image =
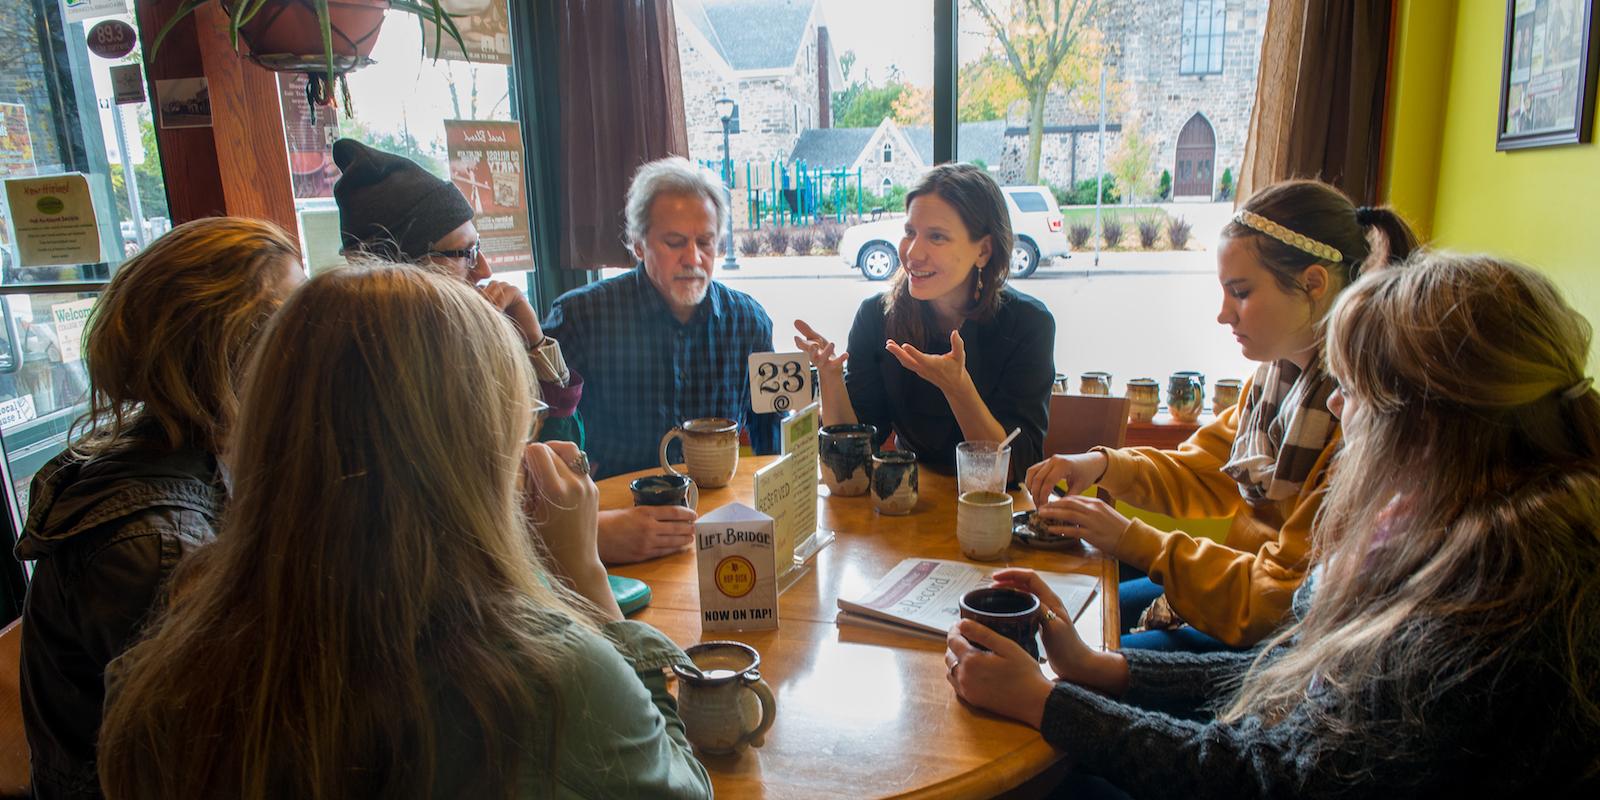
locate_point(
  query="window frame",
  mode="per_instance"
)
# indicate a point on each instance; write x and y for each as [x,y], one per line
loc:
[1190,52]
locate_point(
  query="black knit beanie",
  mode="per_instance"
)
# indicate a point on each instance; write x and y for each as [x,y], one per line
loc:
[389,206]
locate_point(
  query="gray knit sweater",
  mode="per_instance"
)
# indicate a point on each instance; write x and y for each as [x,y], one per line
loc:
[1503,734]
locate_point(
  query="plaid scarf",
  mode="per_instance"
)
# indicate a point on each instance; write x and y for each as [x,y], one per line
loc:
[1284,425]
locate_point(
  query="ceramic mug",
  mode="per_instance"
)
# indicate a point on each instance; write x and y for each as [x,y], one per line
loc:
[1095,384]
[1225,394]
[665,490]
[725,705]
[1186,393]
[983,525]
[1144,395]
[846,455]
[1008,612]
[710,450]
[894,481]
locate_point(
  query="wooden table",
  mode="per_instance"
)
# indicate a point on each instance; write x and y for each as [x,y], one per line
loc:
[863,713]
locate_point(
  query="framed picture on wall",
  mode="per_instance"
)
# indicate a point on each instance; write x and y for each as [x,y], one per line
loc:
[1547,81]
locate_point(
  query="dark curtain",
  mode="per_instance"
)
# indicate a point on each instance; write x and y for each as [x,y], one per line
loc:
[1320,96]
[601,94]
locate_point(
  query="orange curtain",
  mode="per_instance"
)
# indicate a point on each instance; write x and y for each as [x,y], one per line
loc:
[1319,96]
[620,105]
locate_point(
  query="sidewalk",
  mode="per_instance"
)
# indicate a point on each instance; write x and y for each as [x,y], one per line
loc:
[1121,262]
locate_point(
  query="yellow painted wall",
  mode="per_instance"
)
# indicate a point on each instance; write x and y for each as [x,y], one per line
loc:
[1541,207]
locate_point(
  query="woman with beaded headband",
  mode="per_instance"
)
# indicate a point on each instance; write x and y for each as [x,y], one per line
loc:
[1447,642]
[950,353]
[1282,260]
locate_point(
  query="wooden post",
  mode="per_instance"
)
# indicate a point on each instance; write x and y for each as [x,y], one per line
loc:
[240,165]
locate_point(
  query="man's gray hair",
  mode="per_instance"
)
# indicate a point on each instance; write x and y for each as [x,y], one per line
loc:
[670,176]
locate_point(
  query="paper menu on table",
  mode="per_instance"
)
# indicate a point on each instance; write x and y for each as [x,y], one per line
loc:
[925,593]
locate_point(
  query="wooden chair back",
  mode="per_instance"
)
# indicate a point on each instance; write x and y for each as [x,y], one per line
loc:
[15,780]
[1081,422]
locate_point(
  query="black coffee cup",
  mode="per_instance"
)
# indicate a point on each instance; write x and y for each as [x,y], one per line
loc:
[1008,612]
[846,454]
[665,490]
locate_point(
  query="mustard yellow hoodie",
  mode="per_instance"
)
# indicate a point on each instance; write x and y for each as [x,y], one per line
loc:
[1237,591]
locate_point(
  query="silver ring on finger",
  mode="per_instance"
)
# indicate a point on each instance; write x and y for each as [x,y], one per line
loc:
[580,465]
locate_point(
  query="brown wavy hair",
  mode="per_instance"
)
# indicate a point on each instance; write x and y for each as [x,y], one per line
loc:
[1366,237]
[167,341]
[982,208]
[1461,536]
[374,585]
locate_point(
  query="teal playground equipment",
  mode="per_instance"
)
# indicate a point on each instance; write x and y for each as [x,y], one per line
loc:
[780,193]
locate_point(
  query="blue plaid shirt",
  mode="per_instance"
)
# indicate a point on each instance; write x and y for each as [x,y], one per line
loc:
[643,371]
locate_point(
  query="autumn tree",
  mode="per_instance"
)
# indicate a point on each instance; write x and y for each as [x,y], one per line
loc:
[1038,38]
[1131,165]
[987,88]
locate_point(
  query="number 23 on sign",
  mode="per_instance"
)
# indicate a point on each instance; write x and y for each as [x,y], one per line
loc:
[779,381]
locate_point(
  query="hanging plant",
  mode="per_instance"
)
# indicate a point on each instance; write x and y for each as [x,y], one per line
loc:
[325,39]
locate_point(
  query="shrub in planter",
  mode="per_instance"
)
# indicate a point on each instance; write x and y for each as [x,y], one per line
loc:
[829,238]
[804,240]
[1079,234]
[1164,186]
[778,241]
[1178,230]
[1225,186]
[1111,231]
[749,242]
[1149,231]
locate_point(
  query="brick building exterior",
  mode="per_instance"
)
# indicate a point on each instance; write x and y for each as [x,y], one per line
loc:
[1182,74]
[772,57]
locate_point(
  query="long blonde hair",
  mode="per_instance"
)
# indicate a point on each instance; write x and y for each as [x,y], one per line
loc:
[1461,534]
[373,575]
[167,342]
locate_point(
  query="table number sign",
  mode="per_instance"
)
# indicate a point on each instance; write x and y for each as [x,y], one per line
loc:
[738,570]
[779,381]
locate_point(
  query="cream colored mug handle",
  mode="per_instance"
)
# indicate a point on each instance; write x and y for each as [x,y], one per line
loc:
[769,712]
[666,440]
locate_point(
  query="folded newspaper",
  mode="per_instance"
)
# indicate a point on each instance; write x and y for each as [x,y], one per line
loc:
[922,596]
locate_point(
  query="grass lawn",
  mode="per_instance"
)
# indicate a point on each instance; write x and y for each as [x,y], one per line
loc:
[1127,213]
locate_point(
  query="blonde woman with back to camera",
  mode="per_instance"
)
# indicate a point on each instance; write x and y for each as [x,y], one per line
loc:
[1282,262]
[111,516]
[407,600]
[1447,644]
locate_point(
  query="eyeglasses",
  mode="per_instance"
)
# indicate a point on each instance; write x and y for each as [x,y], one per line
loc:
[468,253]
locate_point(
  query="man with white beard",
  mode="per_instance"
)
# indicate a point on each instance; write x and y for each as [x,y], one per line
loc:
[661,344]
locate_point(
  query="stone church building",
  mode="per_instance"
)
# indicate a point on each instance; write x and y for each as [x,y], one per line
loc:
[1183,71]
[772,57]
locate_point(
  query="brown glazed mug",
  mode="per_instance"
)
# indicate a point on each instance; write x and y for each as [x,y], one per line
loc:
[725,705]
[710,450]
[1008,612]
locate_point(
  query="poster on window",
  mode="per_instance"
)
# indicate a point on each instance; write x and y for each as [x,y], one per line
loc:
[80,10]
[16,144]
[486,165]
[485,27]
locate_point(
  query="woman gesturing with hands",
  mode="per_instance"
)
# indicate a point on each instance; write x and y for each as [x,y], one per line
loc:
[949,353]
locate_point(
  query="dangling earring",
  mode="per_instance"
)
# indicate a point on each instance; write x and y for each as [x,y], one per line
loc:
[977,290]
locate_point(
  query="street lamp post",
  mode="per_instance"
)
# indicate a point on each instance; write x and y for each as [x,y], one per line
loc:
[726,110]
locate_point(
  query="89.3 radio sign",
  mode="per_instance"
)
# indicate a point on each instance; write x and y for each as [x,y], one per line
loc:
[779,381]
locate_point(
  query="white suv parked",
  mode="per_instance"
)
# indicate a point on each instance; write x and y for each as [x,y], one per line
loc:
[874,247]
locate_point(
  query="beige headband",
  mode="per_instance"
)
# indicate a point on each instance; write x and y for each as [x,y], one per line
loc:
[1323,252]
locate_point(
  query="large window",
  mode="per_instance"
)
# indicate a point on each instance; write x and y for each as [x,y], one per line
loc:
[1203,28]
[59,114]
[401,104]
